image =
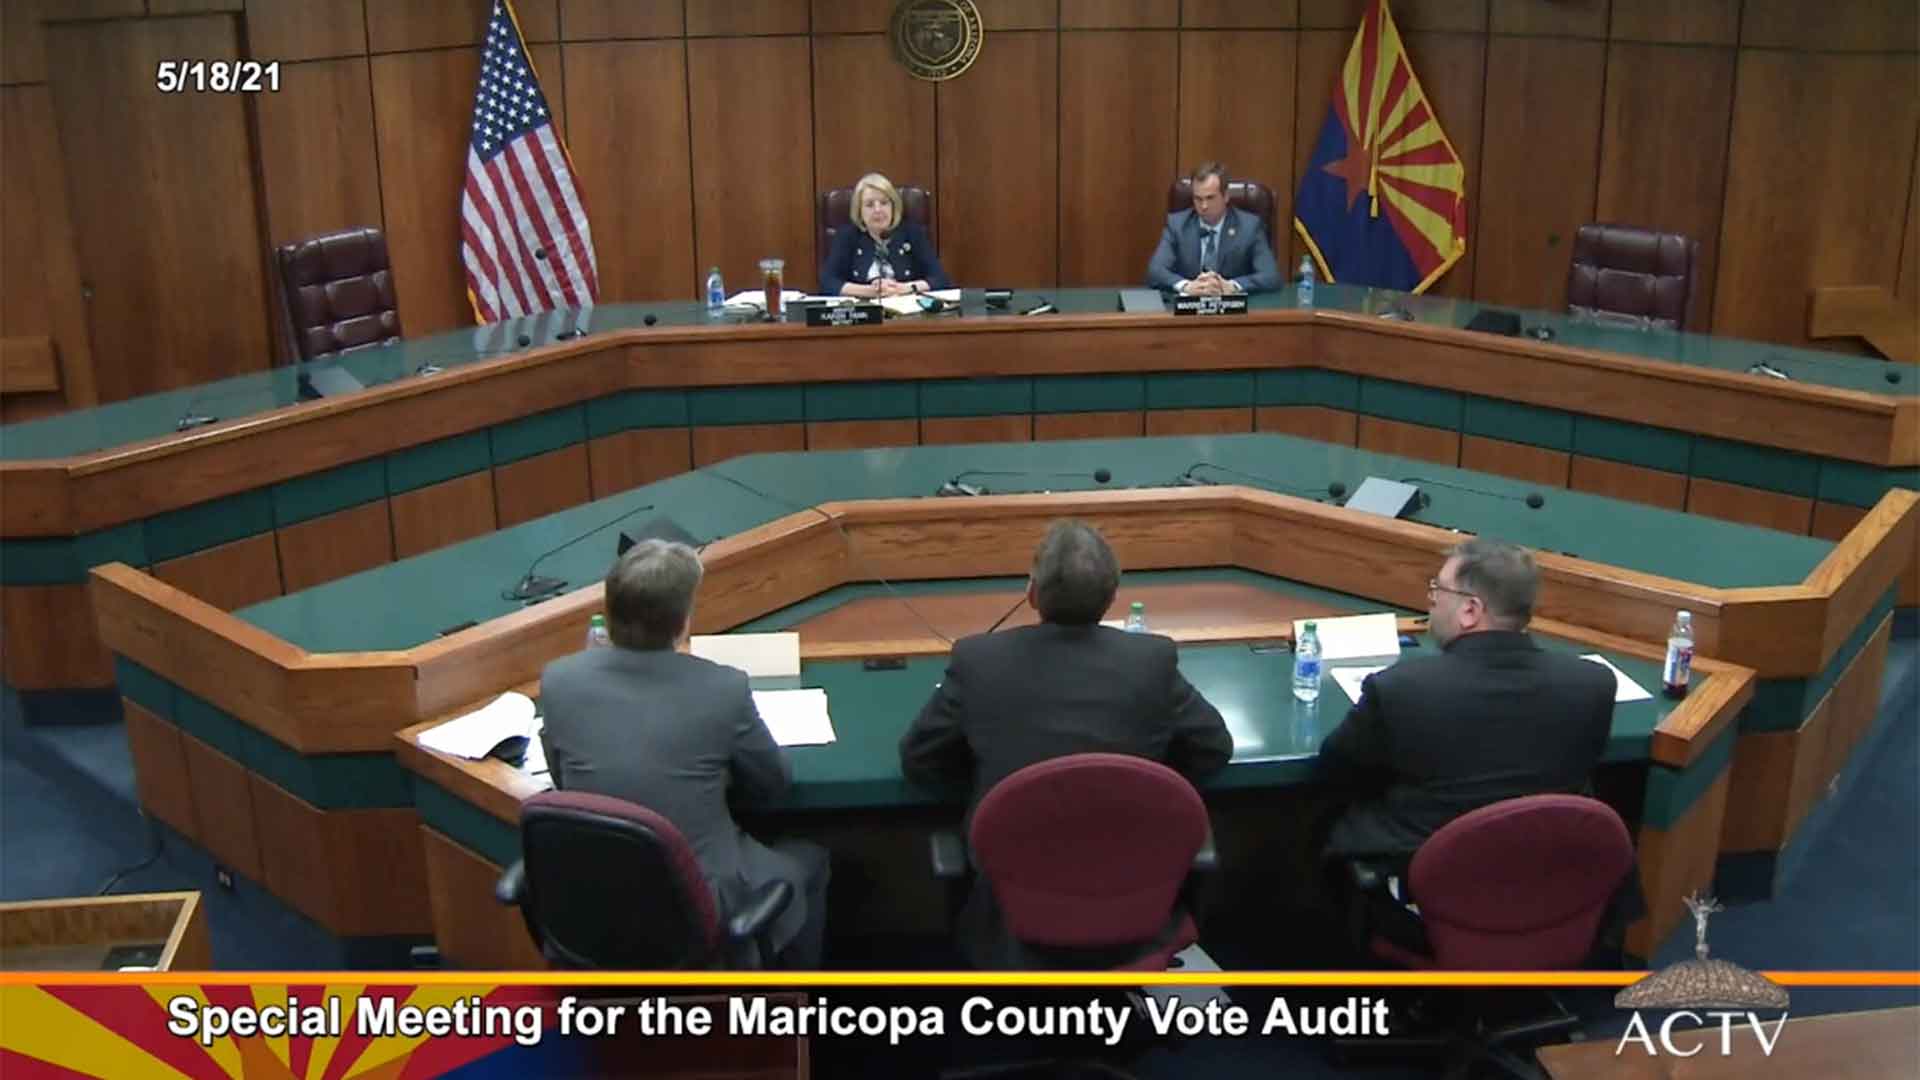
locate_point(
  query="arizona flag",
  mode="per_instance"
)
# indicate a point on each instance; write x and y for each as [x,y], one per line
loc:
[1384,198]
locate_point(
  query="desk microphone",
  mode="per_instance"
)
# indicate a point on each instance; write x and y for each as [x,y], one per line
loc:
[1333,490]
[1533,499]
[1008,614]
[531,587]
[959,486]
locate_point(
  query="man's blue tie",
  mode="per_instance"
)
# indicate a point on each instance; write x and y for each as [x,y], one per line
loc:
[1206,249]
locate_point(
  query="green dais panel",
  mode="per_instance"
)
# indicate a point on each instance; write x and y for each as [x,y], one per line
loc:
[1785,704]
[1411,404]
[1756,466]
[1201,390]
[1672,792]
[436,462]
[219,729]
[540,433]
[1632,444]
[1089,393]
[209,524]
[861,401]
[976,397]
[141,686]
[631,409]
[1307,386]
[1862,485]
[1514,422]
[466,824]
[324,493]
[65,561]
[722,406]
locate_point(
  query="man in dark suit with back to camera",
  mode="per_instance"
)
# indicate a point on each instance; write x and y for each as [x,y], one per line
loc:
[1064,686]
[646,722]
[1213,249]
[1493,716]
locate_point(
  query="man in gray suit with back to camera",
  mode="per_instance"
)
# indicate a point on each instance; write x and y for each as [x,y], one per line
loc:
[647,722]
[1213,249]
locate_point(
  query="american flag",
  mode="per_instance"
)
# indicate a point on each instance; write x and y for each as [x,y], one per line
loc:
[523,227]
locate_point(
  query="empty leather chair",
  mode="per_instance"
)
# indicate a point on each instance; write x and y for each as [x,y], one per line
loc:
[1252,196]
[1627,271]
[606,883]
[337,290]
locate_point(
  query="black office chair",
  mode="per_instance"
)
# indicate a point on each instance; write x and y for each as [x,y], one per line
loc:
[605,883]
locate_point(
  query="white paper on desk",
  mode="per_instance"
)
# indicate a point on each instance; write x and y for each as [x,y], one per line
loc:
[758,298]
[1354,637]
[1624,688]
[795,717]
[758,655]
[909,304]
[1350,679]
[479,731]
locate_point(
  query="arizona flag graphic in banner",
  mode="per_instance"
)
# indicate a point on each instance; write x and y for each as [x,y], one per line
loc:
[1384,199]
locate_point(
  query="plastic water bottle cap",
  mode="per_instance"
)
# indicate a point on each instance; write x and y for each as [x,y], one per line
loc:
[1138,606]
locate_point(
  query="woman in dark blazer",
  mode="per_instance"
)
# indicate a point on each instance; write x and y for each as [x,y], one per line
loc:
[883,254]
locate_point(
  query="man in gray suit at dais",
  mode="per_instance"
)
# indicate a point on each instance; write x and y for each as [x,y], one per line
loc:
[1213,249]
[647,722]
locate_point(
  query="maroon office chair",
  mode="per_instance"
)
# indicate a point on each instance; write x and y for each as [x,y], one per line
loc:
[337,292]
[1087,856]
[1523,884]
[1252,196]
[605,883]
[1631,272]
[836,213]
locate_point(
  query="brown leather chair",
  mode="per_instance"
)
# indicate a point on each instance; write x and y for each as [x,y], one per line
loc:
[836,213]
[337,292]
[1625,270]
[1252,196]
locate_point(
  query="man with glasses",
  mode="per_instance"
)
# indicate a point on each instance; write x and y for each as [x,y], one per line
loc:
[1491,716]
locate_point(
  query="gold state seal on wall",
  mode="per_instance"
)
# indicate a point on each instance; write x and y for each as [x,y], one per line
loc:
[936,39]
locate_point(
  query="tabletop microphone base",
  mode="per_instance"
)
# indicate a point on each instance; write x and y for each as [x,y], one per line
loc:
[533,587]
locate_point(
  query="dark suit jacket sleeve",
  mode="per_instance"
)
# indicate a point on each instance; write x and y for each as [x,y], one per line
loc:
[927,260]
[1201,743]
[838,268]
[934,751]
[1162,271]
[1266,270]
[760,769]
[1356,751]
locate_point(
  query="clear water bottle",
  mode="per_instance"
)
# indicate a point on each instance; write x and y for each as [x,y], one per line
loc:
[1137,618]
[1678,669]
[1306,664]
[716,291]
[1303,292]
[597,633]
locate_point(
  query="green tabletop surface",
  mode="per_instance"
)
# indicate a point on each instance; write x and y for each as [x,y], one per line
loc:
[407,603]
[1275,736]
[86,431]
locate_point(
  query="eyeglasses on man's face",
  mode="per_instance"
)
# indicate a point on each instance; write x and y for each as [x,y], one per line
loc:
[1434,586]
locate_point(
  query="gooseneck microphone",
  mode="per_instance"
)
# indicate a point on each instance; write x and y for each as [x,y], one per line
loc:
[959,485]
[1008,614]
[533,587]
[1533,499]
[1333,490]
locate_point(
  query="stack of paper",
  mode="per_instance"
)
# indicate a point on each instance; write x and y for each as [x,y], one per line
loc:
[758,298]
[795,717]
[910,304]
[759,655]
[1354,637]
[1624,688]
[475,734]
[1350,678]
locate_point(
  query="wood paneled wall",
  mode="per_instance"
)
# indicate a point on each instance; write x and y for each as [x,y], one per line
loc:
[1780,134]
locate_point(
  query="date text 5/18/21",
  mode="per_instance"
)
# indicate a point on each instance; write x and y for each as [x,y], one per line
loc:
[217,77]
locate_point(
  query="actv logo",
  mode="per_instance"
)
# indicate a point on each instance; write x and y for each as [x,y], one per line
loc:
[1663,1043]
[1712,986]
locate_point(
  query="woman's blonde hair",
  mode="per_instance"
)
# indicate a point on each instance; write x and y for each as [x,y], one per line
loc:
[882,185]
